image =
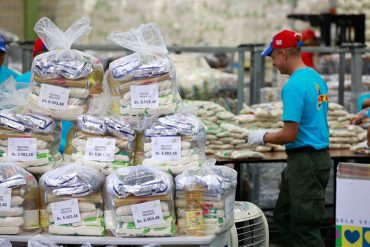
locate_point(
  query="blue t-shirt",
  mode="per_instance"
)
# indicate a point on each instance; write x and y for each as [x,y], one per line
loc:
[5,73]
[305,101]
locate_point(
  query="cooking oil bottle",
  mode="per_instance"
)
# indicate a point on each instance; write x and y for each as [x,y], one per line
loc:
[194,211]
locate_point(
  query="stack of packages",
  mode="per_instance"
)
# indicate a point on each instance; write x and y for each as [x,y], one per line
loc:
[101,141]
[19,207]
[205,199]
[63,78]
[72,201]
[29,140]
[142,84]
[174,142]
[139,202]
[342,134]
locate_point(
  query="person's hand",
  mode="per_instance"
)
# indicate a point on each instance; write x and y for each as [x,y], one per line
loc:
[256,137]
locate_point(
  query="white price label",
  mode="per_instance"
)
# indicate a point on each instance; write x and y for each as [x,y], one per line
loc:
[66,212]
[147,214]
[229,205]
[166,148]
[145,96]
[53,97]
[100,149]
[5,199]
[22,149]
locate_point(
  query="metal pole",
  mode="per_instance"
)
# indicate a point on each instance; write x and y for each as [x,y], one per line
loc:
[240,86]
[257,74]
[252,78]
[356,75]
[341,77]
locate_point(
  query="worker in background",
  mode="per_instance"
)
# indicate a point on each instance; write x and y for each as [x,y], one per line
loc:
[309,39]
[301,203]
[5,72]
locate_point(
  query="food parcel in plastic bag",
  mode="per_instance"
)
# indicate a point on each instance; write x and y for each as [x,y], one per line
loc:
[72,201]
[100,141]
[30,140]
[139,202]
[20,203]
[143,84]
[63,78]
[205,198]
[174,143]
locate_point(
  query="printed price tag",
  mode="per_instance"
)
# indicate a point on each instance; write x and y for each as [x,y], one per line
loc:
[100,149]
[53,97]
[166,148]
[5,199]
[22,149]
[66,212]
[144,96]
[147,214]
[229,205]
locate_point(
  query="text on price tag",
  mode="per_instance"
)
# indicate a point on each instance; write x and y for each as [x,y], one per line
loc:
[22,149]
[147,214]
[166,148]
[53,97]
[66,212]
[145,96]
[5,199]
[100,149]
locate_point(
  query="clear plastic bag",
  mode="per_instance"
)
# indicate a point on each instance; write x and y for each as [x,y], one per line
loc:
[5,243]
[29,140]
[101,141]
[142,84]
[174,142]
[63,78]
[205,198]
[78,191]
[41,241]
[20,205]
[139,202]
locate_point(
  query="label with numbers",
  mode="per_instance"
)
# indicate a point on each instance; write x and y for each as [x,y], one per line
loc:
[22,149]
[5,199]
[100,149]
[147,214]
[53,97]
[145,96]
[166,148]
[66,212]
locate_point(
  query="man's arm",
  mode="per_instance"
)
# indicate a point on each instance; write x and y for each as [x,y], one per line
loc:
[284,136]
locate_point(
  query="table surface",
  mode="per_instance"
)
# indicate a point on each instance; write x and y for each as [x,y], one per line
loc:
[281,156]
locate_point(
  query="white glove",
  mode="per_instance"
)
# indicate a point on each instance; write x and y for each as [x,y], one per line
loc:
[256,137]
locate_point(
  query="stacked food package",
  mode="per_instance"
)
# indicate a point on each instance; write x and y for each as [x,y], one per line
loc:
[205,198]
[139,202]
[63,78]
[174,143]
[265,116]
[102,143]
[142,84]
[72,201]
[19,200]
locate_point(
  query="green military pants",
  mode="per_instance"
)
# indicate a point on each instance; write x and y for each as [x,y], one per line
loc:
[300,207]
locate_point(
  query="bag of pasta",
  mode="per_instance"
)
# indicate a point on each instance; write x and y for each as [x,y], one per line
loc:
[63,78]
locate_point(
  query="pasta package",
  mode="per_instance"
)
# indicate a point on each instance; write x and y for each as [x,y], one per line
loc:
[139,203]
[174,142]
[72,201]
[63,78]
[205,198]
[102,143]
[20,203]
[144,83]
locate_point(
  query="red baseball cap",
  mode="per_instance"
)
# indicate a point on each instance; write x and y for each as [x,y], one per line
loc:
[284,39]
[308,34]
[38,46]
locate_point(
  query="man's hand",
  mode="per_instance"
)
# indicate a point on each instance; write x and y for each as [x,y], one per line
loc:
[256,137]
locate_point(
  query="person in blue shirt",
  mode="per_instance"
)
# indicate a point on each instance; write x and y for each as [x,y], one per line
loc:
[5,72]
[300,207]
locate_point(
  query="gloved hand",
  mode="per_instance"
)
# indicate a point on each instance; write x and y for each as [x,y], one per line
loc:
[256,137]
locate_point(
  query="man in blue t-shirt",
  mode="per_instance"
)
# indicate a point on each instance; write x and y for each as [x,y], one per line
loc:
[5,72]
[301,203]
